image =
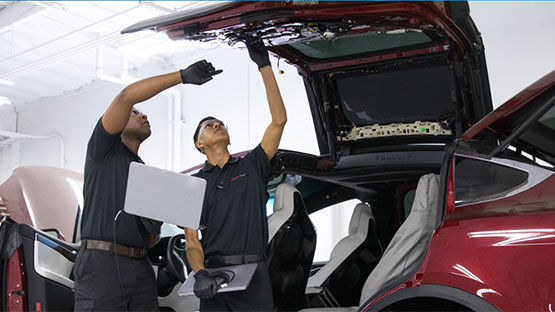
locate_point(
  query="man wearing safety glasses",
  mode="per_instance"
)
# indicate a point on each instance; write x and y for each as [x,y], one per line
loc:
[234,224]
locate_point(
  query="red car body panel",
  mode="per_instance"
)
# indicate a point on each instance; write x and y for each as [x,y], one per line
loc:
[513,105]
[412,14]
[485,257]
[15,283]
[484,248]
[436,11]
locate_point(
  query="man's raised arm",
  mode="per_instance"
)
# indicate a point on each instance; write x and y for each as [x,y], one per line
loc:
[272,136]
[117,115]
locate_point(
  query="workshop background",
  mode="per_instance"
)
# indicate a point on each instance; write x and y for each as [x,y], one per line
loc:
[62,63]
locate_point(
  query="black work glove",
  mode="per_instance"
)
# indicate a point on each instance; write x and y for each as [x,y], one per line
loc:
[205,285]
[198,73]
[258,52]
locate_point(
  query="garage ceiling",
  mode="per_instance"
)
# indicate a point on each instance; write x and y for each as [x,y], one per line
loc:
[50,48]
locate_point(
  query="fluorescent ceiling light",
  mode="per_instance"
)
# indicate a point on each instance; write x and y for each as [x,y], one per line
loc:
[5,101]
[6,82]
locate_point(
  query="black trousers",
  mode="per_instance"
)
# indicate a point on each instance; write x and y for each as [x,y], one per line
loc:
[257,297]
[98,288]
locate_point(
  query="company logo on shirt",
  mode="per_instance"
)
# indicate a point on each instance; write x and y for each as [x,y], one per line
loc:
[237,177]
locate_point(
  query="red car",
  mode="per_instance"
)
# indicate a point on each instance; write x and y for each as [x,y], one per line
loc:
[456,202]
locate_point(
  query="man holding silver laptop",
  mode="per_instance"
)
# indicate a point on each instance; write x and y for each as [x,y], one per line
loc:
[112,272]
[234,224]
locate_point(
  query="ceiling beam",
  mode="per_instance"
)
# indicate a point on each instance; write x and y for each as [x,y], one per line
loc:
[17,12]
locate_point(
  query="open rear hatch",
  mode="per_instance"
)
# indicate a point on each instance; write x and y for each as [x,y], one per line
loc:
[379,76]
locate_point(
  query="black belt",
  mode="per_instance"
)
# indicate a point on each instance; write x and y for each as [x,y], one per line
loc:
[133,252]
[213,261]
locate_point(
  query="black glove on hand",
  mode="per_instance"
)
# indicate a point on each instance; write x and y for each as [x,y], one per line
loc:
[205,285]
[258,52]
[198,73]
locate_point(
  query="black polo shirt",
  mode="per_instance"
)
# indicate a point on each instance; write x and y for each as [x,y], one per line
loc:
[106,171]
[234,220]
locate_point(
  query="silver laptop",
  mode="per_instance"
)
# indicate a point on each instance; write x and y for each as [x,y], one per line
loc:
[240,277]
[164,195]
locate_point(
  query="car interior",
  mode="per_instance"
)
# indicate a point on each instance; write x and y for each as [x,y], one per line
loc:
[339,282]
[389,213]
[290,250]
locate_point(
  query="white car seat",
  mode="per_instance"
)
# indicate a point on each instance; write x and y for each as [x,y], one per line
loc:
[408,246]
[283,208]
[358,230]
[351,260]
[290,250]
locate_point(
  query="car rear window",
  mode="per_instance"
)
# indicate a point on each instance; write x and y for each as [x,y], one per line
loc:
[540,135]
[548,119]
[408,201]
[360,44]
[477,180]
[417,94]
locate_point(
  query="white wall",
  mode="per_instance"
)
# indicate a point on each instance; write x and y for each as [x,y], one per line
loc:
[8,155]
[73,118]
[8,118]
[237,96]
[520,43]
